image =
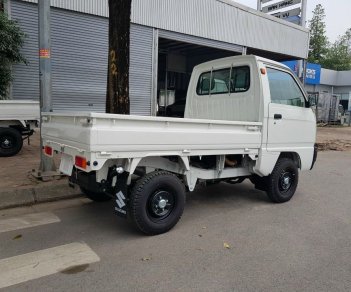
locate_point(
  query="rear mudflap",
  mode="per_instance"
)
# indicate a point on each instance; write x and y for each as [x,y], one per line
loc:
[116,186]
[121,197]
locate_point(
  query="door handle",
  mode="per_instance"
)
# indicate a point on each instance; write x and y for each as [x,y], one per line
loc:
[278,116]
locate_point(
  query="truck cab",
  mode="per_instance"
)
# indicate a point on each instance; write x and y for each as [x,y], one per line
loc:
[256,90]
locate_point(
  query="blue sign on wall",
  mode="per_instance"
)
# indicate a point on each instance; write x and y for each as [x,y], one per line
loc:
[293,65]
[313,71]
[313,74]
[294,19]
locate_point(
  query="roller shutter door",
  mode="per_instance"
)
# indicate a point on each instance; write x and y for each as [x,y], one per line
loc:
[79,61]
[26,81]
[141,71]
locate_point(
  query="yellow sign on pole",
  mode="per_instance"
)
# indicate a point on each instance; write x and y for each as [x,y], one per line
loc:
[44,53]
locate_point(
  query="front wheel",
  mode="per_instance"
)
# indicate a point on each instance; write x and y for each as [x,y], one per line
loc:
[282,182]
[157,202]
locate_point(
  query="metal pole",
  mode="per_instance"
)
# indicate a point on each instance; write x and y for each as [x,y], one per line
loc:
[304,66]
[46,163]
[259,5]
[304,13]
[303,63]
[45,55]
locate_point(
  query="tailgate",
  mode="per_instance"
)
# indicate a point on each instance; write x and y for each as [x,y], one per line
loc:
[70,135]
[67,130]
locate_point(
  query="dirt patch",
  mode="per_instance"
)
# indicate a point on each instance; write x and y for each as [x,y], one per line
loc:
[334,138]
[336,145]
[15,172]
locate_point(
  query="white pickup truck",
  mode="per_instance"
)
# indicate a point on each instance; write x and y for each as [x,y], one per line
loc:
[18,118]
[245,117]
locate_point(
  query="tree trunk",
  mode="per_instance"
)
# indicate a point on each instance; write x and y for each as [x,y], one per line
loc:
[117,97]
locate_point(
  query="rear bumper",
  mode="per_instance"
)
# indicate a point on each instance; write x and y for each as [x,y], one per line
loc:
[315,154]
[85,180]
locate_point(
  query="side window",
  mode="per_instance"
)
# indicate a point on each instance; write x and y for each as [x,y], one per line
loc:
[217,82]
[284,89]
[204,83]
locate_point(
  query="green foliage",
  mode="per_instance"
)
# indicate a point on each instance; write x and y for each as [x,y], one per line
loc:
[12,39]
[338,56]
[318,40]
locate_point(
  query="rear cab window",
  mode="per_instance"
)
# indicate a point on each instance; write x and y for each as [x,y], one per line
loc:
[223,81]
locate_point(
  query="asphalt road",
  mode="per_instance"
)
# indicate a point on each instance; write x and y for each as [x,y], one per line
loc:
[303,245]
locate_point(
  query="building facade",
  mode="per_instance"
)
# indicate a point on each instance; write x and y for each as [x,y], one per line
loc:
[168,38]
[320,80]
[334,82]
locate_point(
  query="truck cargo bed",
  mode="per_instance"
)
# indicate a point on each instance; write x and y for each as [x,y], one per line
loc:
[19,110]
[123,136]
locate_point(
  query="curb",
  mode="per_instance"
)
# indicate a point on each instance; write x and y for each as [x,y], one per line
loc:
[11,198]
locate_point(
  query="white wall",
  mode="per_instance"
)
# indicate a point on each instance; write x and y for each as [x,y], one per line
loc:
[329,77]
[344,78]
[336,78]
[337,82]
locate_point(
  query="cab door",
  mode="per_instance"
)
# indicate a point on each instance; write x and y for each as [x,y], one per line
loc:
[291,125]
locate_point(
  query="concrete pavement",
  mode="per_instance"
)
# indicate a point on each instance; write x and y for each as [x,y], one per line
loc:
[18,187]
[303,245]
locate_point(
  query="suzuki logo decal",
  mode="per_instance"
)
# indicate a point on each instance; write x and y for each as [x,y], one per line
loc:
[120,199]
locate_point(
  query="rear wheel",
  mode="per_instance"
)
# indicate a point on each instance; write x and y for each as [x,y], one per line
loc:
[282,182]
[95,196]
[10,142]
[157,202]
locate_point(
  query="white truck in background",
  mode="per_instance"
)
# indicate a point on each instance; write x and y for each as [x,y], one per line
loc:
[18,118]
[245,117]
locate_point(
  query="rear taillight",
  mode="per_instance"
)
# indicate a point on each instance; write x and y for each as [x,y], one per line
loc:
[48,151]
[81,162]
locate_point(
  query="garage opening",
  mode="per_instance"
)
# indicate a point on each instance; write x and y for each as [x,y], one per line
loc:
[176,61]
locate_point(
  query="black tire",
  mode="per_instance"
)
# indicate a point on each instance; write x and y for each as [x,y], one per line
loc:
[95,196]
[152,192]
[10,142]
[282,182]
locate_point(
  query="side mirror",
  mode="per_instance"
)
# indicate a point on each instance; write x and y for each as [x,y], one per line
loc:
[307,104]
